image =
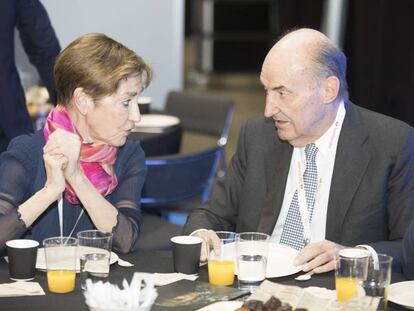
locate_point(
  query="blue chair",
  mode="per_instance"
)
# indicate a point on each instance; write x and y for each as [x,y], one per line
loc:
[174,178]
[178,183]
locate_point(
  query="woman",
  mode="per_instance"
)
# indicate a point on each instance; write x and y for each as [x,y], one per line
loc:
[81,163]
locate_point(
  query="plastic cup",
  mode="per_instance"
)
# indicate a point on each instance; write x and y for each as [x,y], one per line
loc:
[61,257]
[221,265]
[378,279]
[95,255]
[351,266]
[252,254]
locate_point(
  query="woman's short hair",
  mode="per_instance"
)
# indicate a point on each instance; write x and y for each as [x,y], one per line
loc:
[97,64]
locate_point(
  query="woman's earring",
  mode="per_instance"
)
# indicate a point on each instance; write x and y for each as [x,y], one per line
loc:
[87,140]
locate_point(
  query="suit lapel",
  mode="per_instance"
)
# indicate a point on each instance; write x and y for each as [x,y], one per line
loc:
[351,162]
[277,163]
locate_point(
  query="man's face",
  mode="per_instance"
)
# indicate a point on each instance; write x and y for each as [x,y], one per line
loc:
[293,99]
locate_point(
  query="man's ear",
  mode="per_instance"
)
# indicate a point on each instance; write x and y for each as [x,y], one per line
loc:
[81,101]
[331,89]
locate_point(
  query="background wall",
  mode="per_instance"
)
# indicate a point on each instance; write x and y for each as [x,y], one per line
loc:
[153,29]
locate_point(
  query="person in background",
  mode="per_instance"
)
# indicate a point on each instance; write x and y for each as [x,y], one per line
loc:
[81,161]
[408,252]
[317,173]
[41,45]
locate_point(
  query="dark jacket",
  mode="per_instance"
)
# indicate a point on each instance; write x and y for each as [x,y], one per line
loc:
[42,47]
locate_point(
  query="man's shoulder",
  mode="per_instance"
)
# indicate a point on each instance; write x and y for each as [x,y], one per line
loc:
[378,118]
[381,125]
[259,124]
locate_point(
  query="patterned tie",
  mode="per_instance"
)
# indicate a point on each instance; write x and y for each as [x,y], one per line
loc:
[292,233]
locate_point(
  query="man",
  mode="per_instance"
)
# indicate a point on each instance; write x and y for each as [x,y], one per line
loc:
[42,47]
[332,175]
[408,252]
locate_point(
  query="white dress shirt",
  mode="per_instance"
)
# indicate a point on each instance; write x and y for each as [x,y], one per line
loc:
[325,160]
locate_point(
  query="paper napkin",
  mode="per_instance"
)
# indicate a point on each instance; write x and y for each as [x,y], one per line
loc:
[16,289]
[161,279]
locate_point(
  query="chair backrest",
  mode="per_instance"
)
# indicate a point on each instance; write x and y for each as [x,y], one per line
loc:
[205,114]
[178,177]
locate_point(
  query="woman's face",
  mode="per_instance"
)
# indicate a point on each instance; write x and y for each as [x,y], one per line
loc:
[113,117]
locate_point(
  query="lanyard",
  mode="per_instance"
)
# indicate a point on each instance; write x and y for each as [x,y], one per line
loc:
[299,159]
[60,212]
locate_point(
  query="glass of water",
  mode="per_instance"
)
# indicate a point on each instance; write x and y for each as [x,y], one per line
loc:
[95,255]
[378,279]
[252,254]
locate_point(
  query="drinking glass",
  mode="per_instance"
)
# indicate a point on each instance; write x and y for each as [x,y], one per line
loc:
[95,255]
[351,267]
[61,257]
[378,279]
[221,264]
[252,254]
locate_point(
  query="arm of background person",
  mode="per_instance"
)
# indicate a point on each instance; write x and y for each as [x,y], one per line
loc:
[408,252]
[221,210]
[39,40]
[400,202]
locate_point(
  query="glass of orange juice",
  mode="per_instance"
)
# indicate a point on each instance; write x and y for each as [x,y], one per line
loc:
[351,267]
[221,263]
[61,258]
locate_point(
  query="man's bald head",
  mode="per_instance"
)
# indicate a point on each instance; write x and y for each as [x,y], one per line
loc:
[310,50]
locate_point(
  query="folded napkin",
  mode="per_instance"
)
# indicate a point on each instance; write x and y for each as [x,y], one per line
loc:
[161,279]
[21,289]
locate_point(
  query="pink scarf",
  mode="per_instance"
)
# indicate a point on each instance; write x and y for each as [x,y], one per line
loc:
[96,161]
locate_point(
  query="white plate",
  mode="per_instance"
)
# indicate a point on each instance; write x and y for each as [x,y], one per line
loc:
[402,293]
[157,120]
[41,263]
[279,262]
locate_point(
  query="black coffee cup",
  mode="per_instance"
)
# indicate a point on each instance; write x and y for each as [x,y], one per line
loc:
[186,253]
[22,259]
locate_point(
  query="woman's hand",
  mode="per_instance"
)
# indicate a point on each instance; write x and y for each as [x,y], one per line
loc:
[55,180]
[63,143]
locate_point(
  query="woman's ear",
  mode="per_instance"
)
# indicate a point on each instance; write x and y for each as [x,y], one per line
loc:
[331,89]
[81,101]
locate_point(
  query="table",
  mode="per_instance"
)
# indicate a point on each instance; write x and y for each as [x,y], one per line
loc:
[158,134]
[151,261]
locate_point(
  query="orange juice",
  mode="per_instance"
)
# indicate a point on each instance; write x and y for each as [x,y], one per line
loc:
[61,281]
[221,272]
[346,288]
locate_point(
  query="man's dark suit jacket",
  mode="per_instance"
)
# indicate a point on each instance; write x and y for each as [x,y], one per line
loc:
[42,47]
[408,252]
[371,195]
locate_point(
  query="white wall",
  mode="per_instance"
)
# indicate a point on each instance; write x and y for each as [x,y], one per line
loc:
[154,29]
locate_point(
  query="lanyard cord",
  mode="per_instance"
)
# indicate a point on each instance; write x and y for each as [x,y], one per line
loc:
[60,211]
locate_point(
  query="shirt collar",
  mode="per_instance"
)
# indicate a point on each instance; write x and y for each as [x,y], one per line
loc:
[323,142]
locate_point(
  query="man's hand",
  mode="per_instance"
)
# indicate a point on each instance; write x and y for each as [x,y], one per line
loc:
[319,256]
[210,241]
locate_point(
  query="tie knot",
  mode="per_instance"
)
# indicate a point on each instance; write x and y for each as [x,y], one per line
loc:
[310,151]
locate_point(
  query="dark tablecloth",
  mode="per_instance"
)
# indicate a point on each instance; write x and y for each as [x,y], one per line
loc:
[154,261]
